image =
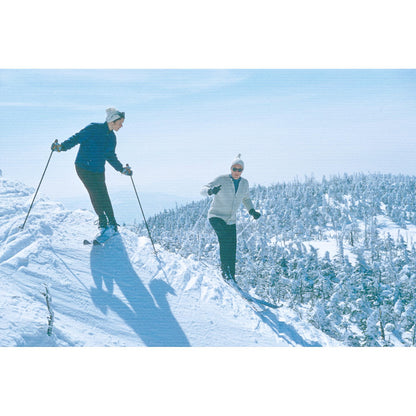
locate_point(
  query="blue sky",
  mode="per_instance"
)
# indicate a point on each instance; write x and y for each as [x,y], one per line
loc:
[184,127]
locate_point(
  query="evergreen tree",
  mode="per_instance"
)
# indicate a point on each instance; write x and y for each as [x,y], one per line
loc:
[364,298]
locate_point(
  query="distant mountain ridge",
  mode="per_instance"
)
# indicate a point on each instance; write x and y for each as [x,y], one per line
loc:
[126,207]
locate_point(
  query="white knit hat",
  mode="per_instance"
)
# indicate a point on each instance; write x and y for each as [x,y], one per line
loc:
[238,161]
[113,115]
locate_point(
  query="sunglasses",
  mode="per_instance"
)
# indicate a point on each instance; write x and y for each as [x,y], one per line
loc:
[237,170]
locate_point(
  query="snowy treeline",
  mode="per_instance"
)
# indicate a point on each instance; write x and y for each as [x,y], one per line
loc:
[362,294]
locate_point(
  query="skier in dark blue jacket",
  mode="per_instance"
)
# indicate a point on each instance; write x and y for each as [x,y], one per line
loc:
[97,145]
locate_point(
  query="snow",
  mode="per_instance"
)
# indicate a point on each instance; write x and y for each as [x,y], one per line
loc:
[387,227]
[119,295]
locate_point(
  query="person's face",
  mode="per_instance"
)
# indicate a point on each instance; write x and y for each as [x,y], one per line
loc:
[236,171]
[118,124]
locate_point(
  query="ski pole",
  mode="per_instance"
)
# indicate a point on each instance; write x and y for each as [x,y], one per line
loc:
[41,179]
[141,208]
[195,225]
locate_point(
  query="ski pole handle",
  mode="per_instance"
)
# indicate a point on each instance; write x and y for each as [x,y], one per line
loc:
[55,146]
[127,170]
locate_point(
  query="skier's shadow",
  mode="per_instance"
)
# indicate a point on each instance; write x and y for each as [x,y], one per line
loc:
[283,330]
[149,316]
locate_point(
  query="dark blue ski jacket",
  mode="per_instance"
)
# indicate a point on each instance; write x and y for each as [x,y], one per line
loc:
[97,145]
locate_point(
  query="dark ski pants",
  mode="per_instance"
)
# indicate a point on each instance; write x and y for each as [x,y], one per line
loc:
[227,237]
[100,200]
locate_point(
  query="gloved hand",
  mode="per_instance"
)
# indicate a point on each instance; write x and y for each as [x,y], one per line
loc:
[56,147]
[214,190]
[127,171]
[256,215]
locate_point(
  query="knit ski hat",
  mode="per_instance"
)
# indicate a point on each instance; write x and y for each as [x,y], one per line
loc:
[238,161]
[113,115]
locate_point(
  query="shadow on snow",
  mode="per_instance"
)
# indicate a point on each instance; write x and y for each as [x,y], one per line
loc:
[147,312]
[283,330]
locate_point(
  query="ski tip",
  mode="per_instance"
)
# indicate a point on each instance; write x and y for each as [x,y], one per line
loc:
[92,242]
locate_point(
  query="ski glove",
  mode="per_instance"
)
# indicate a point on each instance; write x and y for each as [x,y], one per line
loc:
[56,147]
[256,215]
[214,190]
[127,171]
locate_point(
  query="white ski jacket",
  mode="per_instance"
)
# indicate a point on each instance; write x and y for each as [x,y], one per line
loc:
[227,201]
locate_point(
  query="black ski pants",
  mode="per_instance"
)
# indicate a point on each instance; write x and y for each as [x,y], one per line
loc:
[100,200]
[227,238]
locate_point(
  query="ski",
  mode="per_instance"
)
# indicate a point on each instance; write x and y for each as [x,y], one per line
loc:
[249,298]
[100,240]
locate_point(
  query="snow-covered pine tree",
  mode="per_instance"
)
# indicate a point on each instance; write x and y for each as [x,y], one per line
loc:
[368,288]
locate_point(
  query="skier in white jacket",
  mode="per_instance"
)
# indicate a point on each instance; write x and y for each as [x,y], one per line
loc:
[229,192]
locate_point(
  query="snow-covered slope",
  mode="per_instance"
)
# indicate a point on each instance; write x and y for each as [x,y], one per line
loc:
[118,295]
